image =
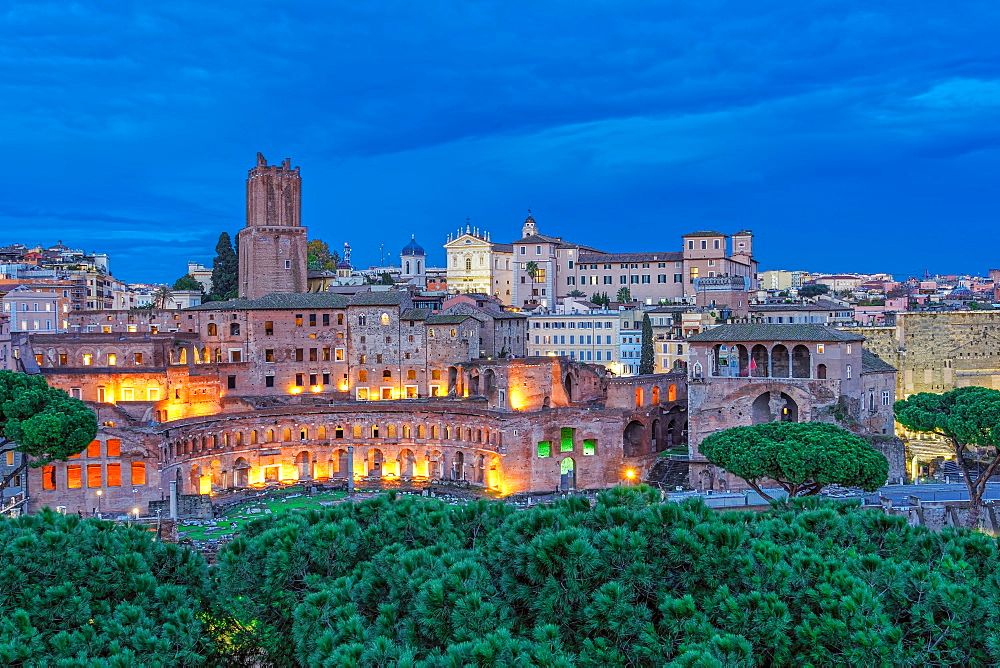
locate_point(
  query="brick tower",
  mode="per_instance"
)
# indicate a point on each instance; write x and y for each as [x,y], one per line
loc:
[273,244]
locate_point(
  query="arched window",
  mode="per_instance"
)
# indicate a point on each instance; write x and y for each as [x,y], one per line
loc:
[385,319]
[656,394]
[361,320]
[468,264]
[821,371]
[638,397]
[672,393]
[286,435]
[213,329]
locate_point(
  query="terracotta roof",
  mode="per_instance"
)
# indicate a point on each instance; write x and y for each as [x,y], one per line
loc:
[379,298]
[415,314]
[766,332]
[872,363]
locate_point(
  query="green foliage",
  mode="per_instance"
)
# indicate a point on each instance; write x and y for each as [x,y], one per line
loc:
[41,421]
[225,269]
[968,417]
[187,282]
[531,269]
[814,290]
[85,592]
[802,457]
[601,299]
[647,362]
[628,580]
[410,581]
[624,296]
[320,256]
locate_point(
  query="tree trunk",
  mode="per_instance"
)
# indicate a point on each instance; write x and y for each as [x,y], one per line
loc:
[975,493]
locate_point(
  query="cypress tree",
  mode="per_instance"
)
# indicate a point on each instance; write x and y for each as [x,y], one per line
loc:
[225,269]
[646,362]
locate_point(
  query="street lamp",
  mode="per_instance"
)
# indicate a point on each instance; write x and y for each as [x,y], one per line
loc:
[135,512]
[630,476]
[99,495]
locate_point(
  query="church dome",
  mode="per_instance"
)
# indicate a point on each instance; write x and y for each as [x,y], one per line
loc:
[413,248]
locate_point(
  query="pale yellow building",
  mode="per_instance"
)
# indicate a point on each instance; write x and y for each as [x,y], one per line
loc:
[477,265]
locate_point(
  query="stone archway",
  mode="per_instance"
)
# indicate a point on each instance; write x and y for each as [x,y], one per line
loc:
[303,464]
[241,469]
[567,474]
[634,440]
[407,463]
[568,385]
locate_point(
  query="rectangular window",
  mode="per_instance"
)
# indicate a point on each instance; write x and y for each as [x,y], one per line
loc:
[589,446]
[94,475]
[269,355]
[112,359]
[326,354]
[74,472]
[362,395]
[362,375]
[138,473]
[268,328]
[848,371]
[339,354]
[114,447]
[231,382]
[153,393]
[645,278]
[566,439]
[545,448]
[435,390]
[678,278]
[48,477]
[299,354]
[313,354]
[312,379]
[94,449]
[326,378]
[411,391]
[298,319]
[235,356]
[114,475]
[820,349]
[10,458]
[312,319]
[268,381]
[885,397]
[137,359]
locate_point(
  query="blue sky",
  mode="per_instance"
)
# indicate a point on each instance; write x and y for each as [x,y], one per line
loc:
[847,136]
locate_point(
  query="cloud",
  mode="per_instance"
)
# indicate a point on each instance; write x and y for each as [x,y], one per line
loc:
[141,119]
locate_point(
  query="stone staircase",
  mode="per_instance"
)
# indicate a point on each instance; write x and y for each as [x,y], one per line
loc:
[668,473]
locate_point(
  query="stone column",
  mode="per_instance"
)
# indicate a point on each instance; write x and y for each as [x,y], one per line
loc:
[173,499]
[350,468]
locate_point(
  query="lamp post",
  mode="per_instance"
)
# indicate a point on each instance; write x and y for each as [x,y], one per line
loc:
[135,513]
[630,476]
[99,495]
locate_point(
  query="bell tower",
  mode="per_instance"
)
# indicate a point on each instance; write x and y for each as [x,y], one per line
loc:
[273,244]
